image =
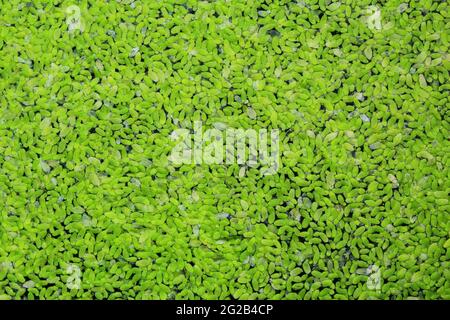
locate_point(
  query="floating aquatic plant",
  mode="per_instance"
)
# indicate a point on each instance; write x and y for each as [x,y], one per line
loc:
[91,207]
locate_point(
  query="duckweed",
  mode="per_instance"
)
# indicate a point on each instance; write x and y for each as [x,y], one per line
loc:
[92,208]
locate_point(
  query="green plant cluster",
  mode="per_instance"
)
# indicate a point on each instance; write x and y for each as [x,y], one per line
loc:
[91,208]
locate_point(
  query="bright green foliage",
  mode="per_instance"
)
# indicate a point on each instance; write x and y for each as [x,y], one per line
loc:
[90,206]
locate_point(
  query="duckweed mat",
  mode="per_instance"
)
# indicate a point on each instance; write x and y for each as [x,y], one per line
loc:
[91,207]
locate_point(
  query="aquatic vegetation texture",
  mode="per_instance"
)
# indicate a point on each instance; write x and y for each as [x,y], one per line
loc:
[92,208]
